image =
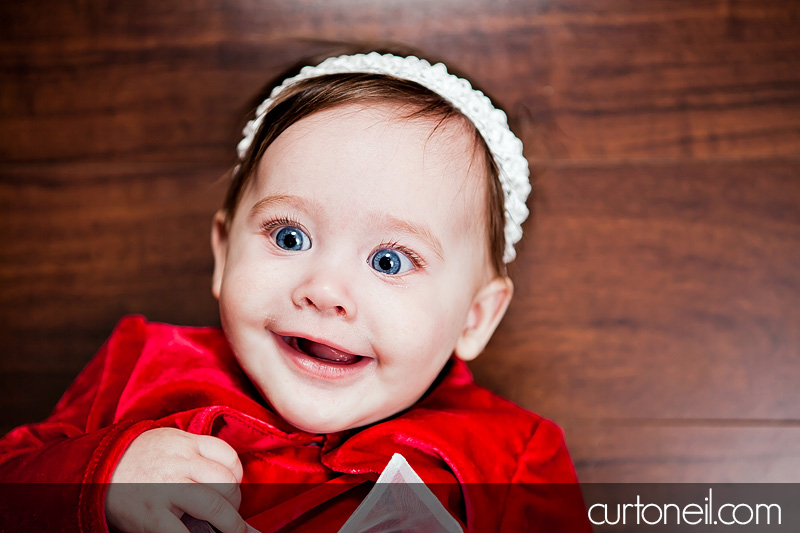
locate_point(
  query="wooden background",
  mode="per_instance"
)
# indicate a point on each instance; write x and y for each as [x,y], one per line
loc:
[657,317]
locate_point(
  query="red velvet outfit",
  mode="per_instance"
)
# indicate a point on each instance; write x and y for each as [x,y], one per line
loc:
[492,464]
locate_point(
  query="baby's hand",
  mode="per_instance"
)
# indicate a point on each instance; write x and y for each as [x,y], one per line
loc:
[144,494]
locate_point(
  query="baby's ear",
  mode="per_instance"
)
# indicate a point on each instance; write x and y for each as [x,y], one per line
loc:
[219,245]
[485,313]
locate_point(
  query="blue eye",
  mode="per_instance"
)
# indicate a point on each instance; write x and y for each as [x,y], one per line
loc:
[291,238]
[388,261]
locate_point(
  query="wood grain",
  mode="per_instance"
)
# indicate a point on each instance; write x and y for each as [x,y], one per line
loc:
[607,80]
[677,285]
[640,451]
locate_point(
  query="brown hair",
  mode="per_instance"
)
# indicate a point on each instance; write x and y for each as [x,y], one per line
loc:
[313,95]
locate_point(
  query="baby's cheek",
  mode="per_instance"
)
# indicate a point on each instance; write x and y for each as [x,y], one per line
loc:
[428,337]
[250,285]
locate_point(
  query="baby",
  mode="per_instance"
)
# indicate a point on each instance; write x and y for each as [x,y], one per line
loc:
[359,261]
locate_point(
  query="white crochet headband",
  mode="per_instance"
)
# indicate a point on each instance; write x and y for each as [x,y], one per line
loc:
[491,122]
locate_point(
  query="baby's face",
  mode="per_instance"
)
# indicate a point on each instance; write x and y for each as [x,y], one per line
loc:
[349,272]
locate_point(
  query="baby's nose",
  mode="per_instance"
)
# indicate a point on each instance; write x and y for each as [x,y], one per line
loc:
[328,294]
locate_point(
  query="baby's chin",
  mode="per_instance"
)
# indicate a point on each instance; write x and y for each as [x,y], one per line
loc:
[323,419]
[322,426]
[317,419]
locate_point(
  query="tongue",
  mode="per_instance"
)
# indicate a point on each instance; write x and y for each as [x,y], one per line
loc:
[321,351]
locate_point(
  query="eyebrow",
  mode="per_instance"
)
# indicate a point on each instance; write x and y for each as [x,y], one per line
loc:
[396,224]
[419,230]
[295,202]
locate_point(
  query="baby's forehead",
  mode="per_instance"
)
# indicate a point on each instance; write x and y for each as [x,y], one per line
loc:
[431,160]
[448,145]
[435,129]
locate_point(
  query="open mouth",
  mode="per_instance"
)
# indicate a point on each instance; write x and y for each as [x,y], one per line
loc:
[321,351]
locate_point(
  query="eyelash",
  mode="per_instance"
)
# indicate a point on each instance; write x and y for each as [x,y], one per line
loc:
[411,254]
[269,226]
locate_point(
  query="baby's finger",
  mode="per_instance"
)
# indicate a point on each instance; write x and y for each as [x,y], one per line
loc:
[164,522]
[201,526]
[142,507]
[220,451]
[207,504]
[218,477]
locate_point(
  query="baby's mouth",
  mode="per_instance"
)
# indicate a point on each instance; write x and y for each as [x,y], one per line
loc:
[321,351]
